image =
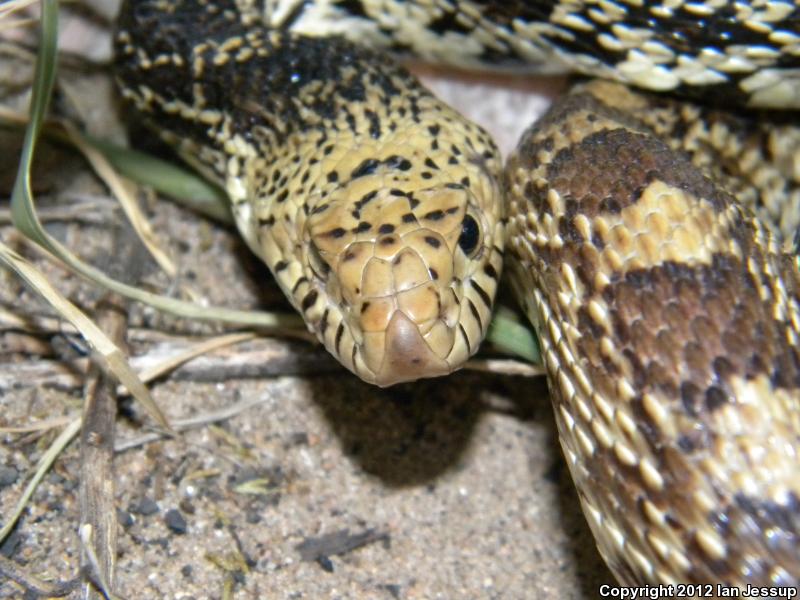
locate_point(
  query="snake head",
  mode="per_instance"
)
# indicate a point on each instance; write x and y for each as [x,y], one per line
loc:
[409,276]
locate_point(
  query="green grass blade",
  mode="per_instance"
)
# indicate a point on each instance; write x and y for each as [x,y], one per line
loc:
[512,336]
[188,189]
[22,212]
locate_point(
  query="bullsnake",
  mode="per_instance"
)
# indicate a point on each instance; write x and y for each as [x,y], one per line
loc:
[668,313]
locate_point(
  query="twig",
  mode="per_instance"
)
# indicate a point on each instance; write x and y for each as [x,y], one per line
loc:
[97,513]
[505,366]
[194,422]
[59,589]
[86,209]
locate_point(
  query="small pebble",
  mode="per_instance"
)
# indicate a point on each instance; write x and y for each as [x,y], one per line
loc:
[299,439]
[175,521]
[326,563]
[145,507]
[124,518]
[8,476]
[11,544]
[392,588]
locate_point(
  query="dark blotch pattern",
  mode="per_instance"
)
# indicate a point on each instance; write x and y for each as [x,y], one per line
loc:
[608,170]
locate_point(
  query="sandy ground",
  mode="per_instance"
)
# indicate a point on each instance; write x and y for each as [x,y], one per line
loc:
[323,487]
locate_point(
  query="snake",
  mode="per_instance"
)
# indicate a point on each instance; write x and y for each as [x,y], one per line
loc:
[648,231]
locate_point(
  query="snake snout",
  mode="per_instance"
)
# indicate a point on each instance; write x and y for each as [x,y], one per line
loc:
[406,314]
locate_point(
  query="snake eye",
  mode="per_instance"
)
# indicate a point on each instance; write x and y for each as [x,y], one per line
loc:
[470,235]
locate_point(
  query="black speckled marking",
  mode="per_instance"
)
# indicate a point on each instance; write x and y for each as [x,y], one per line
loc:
[261,91]
[432,241]
[309,300]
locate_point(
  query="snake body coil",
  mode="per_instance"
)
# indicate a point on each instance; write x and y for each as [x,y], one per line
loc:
[668,319]
[669,315]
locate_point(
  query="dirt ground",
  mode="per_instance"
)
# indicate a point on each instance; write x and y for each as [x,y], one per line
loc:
[317,485]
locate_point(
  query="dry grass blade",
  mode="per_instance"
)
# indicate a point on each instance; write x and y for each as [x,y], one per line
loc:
[194,351]
[7,24]
[12,118]
[12,6]
[45,462]
[12,49]
[39,426]
[104,348]
[7,9]
[30,323]
[126,197]
[86,535]
[91,210]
